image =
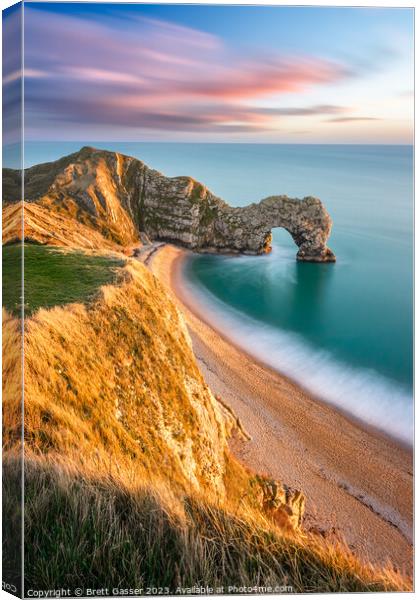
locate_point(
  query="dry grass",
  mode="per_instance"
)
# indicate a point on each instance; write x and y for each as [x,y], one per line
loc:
[12,380]
[116,384]
[47,227]
[12,436]
[95,530]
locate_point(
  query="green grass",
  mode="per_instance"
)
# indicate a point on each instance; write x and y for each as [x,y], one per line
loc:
[52,277]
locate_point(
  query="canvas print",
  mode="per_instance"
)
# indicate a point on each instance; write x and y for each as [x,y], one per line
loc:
[207,299]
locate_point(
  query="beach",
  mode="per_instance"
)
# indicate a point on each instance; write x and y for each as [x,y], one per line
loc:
[357,481]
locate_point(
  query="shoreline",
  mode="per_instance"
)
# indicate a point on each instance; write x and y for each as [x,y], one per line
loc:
[318,447]
[187,300]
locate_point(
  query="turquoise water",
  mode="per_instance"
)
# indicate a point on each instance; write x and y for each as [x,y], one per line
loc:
[342,330]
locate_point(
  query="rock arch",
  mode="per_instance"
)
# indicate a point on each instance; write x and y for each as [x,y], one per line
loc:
[307,221]
[184,211]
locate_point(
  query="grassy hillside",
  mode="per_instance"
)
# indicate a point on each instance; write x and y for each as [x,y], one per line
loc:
[53,276]
[113,383]
[45,226]
[129,481]
[87,188]
[99,531]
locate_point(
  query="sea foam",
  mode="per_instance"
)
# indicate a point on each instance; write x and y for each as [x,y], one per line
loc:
[363,393]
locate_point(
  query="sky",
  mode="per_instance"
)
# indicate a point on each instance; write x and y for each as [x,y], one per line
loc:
[217,73]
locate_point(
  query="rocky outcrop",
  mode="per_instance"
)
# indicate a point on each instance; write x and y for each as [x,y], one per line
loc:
[184,211]
[121,197]
[285,507]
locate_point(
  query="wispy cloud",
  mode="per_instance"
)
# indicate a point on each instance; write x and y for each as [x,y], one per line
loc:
[318,109]
[351,119]
[12,73]
[152,74]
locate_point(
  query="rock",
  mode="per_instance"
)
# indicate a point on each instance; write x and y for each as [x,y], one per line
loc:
[284,506]
[127,201]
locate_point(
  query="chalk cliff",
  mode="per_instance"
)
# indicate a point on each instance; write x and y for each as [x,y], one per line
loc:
[120,197]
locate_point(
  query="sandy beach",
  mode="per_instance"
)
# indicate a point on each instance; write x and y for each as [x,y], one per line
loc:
[357,482]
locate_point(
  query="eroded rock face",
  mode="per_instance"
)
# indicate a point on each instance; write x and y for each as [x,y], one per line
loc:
[122,198]
[183,210]
[285,507]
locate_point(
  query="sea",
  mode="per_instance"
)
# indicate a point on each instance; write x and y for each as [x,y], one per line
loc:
[343,331]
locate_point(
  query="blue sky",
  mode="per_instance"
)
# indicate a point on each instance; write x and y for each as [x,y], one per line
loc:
[218,73]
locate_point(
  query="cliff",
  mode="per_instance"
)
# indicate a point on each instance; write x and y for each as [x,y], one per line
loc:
[114,381]
[112,386]
[128,476]
[121,197]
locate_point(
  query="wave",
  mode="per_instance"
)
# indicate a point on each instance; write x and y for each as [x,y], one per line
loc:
[363,393]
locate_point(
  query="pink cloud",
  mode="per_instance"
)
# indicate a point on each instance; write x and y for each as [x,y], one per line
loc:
[154,74]
[100,75]
[259,79]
